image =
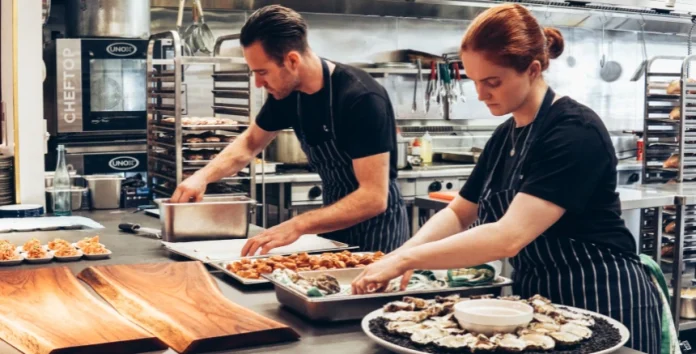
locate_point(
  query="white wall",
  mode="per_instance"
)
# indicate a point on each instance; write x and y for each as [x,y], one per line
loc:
[22,82]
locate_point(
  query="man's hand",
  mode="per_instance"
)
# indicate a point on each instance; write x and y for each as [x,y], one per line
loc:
[277,236]
[190,190]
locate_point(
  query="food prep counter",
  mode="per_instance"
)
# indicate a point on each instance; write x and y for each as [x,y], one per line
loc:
[342,337]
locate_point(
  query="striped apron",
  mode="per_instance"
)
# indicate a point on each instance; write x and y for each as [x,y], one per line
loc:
[384,232]
[574,272]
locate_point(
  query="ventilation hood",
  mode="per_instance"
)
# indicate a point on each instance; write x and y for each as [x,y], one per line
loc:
[621,15]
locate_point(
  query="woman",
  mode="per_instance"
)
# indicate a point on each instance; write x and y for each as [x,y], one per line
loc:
[543,192]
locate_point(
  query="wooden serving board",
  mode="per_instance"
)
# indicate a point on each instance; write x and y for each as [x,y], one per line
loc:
[47,310]
[182,305]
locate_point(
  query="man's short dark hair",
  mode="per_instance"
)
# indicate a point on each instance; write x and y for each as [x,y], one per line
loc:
[278,29]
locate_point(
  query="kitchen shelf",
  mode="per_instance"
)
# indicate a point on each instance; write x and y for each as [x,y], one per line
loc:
[165,82]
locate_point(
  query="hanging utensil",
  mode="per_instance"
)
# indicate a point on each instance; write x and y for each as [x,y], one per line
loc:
[570,60]
[185,48]
[187,36]
[643,64]
[204,36]
[430,89]
[610,70]
[414,106]
[458,77]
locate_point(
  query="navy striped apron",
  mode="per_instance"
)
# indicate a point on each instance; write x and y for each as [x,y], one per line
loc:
[384,232]
[573,272]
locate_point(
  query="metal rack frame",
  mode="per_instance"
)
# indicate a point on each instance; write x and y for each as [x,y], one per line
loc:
[664,137]
[165,92]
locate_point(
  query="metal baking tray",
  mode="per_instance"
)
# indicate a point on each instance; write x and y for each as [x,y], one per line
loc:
[230,250]
[223,267]
[354,307]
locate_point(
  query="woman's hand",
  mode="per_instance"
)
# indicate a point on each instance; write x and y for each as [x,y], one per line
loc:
[377,276]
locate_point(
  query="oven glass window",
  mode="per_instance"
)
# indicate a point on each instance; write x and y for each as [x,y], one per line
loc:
[117,85]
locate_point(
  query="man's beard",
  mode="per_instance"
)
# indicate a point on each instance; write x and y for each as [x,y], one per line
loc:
[290,85]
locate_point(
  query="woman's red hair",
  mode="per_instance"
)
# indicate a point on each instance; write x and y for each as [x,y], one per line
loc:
[510,36]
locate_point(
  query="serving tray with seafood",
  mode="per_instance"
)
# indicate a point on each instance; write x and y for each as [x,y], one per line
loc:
[415,326]
[325,295]
[249,271]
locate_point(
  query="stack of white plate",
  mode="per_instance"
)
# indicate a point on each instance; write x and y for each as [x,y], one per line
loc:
[7,193]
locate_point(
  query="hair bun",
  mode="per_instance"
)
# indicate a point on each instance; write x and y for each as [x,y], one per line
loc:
[554,42]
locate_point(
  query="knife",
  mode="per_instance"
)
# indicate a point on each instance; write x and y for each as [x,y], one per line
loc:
[139,230]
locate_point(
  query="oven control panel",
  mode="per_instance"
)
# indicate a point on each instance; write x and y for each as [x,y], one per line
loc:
[428,185]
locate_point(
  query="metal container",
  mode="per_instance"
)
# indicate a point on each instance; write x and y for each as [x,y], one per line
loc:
[104,191]
[75,179]
[213,218]
[688,307]
[353,307]
[77,197]
[108,18]
[401,155]
[286,148]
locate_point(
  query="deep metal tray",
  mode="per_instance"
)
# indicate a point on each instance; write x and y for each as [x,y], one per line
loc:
[355,307]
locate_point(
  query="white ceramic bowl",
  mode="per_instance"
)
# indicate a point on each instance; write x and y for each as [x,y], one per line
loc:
[491,316]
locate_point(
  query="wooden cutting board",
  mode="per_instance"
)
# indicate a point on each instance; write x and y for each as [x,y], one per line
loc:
[182,305]
[47,310]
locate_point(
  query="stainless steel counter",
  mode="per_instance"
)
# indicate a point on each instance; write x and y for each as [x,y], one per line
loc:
[309,177]
[131,249]
[638,197]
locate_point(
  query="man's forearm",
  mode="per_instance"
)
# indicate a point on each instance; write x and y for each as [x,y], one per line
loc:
[443,224]
[348,211]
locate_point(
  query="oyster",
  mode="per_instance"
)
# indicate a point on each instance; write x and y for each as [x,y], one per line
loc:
[396,306]
[545,309]
[456,341]
[402,327]
[435,310]
[578,330]
[510,298]
[428,335]
[544,327]
[417,303]
[574,316]
[537,341]
[540,299]
[326,282]
[479,297]
[565,338]
[482,344]
[444,322]
[541,318]
[585,323]
[451,298]
[402,316]
[510,343]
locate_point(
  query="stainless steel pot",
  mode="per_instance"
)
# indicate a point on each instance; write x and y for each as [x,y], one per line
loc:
[286,148]
[108,18]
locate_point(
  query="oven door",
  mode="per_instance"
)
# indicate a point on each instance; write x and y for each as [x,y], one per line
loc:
[100,86]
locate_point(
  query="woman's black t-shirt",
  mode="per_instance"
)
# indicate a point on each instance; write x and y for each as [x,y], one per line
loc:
[572,164]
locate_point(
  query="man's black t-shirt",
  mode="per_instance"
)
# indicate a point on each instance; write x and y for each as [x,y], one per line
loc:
[364,122]
[572,164]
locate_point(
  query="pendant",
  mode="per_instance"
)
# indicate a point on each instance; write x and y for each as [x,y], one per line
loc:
[512,152]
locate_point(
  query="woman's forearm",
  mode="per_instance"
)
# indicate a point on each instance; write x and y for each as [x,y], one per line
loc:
[475,246]
[443,224]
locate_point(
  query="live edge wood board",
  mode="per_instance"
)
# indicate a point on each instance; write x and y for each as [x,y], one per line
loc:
[47,310]
[182,305]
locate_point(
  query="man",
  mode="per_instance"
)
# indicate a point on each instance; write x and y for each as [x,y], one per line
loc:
[345,123]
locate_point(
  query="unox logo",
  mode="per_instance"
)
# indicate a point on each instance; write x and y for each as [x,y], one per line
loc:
[124,163]
[121,49]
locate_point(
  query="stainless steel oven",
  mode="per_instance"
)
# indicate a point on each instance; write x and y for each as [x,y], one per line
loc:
[99,86]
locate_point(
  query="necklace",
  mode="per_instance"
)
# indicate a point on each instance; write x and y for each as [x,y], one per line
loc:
[514,141]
